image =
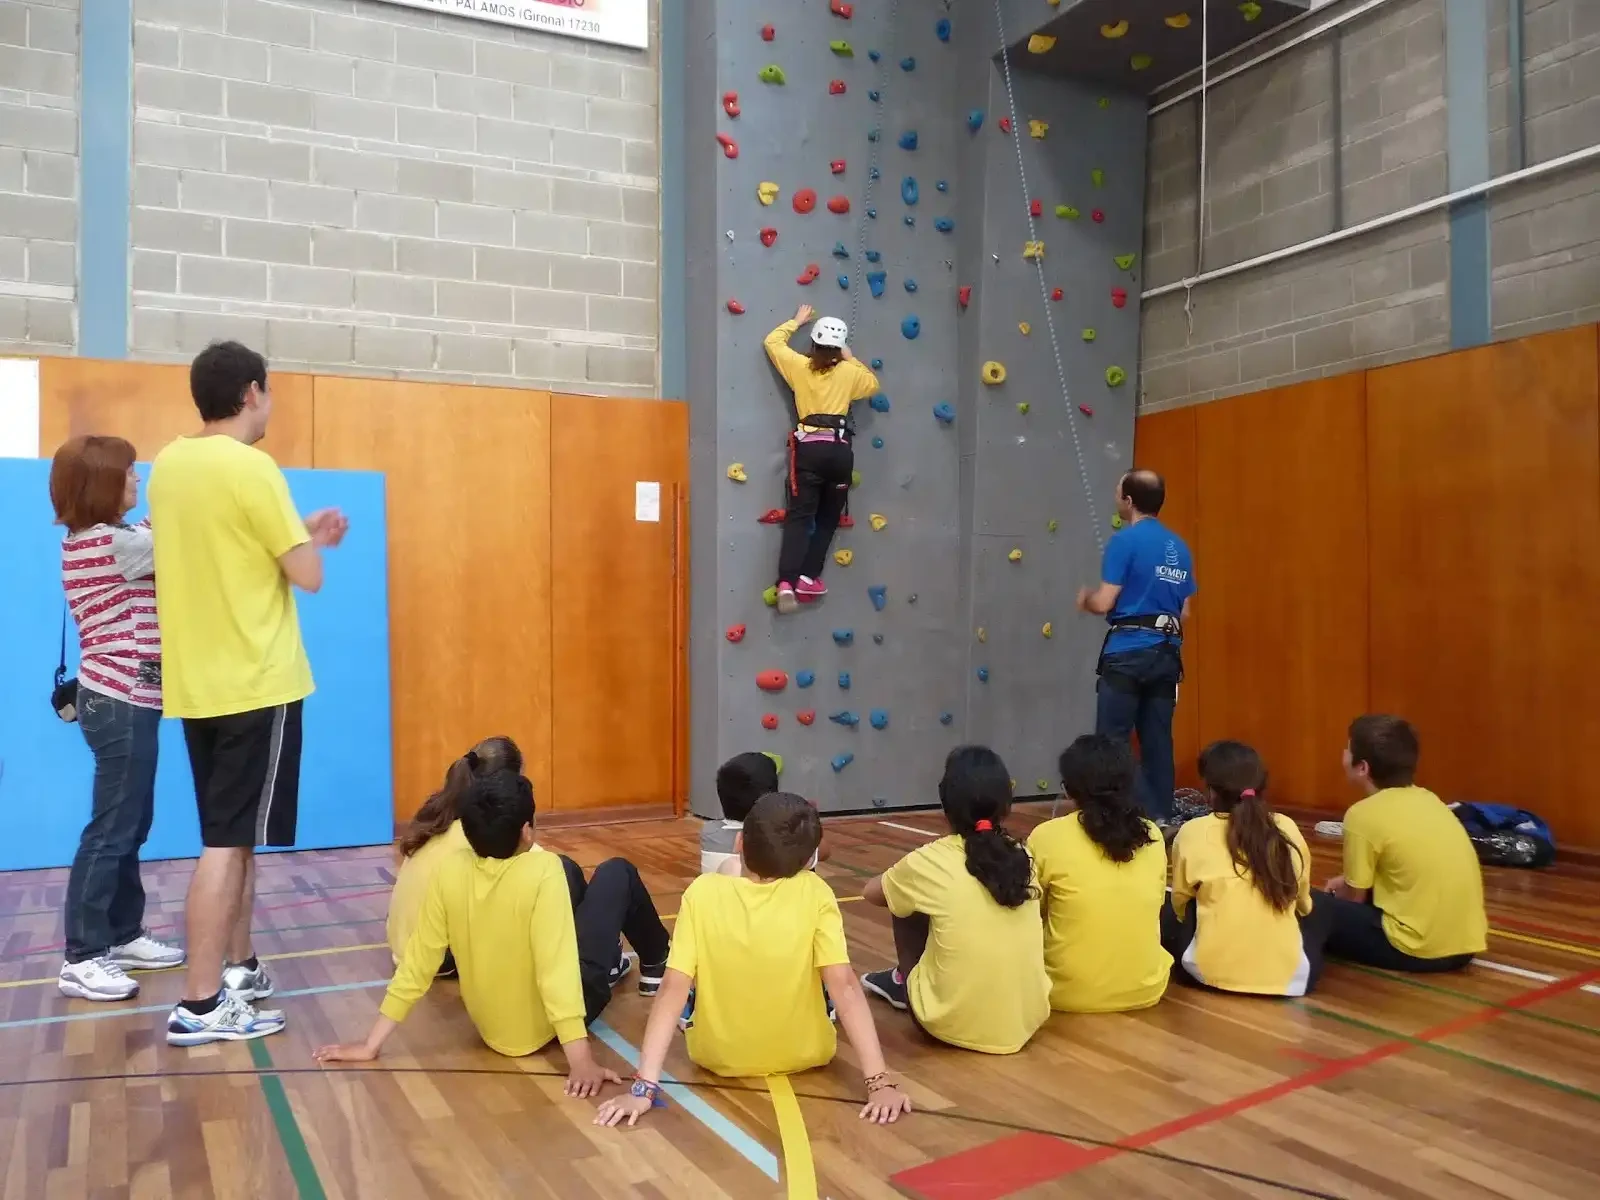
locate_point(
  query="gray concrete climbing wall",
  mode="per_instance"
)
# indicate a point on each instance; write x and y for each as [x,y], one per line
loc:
[955,497]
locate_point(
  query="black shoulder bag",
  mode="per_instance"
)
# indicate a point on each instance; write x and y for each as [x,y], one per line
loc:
[64,695]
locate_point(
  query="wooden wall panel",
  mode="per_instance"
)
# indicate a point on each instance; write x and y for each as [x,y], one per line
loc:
[149,404]
[1165,442]
[469,488]
[1485,552]
[1282,572]
[617,598]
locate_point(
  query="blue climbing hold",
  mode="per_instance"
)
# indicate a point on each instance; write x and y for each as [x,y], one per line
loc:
[942,29]
[942,185]
[872,173]
[879,595]
[975,120]
[911,285]
[947,718]
[910,327]
[944,414]
[879,403]
[877,364]
[875,281]
[872,214]
[845,717]
[873,95]
[872,135]
[839,250]
[983,674]
[877,639]
[908,140]
[877,443]
[844,681]
[910,220]
[805,678]
[908,190]
[908,63]
[944,224]
[879,717]
[874,55]
[873,256]
[844,283]
[841,761]
[843,637]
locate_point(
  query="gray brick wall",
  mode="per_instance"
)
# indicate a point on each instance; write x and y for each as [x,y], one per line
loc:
[363,187]
[38,175]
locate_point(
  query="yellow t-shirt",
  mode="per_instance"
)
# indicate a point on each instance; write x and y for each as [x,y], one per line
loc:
[1241,943]
[1412,851]
[981,983]
[508,921]
[831,391]
[1102,925]
[755,951]
[411,885]
[223,516]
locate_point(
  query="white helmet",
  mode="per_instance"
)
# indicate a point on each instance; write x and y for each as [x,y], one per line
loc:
[830,331]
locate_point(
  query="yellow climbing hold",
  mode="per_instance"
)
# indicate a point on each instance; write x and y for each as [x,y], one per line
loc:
[1140,62]
[766,191]
[1042,784]
[1249,10]
[1178,21]
[1015,555]
[1023,407]
[770,596]
[736,473]
[983,634]
[1038,128]
[877,521]
[1032,249]
[1114,31]
[1116,521]
[1049,630]
[1041,43]
[994,372]
[1025,328]
[1052,525]
[844,557]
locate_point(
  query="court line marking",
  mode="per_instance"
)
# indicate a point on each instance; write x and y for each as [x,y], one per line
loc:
[797,1162]
[1438,989]
[1547,943]
[753,1151]
[301,1168]
[64,1018]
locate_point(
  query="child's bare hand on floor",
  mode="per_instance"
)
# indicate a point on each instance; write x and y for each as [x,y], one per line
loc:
[619,1108]
[885,1105]
[588,1078]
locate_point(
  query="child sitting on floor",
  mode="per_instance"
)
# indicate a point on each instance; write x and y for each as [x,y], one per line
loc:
[741,781]
[753,947]
[1411,896]
[538,956]
[1103,869]
[967,935]
[1240,878]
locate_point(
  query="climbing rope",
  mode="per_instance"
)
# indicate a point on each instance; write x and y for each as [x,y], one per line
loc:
[859,274]
[1044,289]
[1205,122]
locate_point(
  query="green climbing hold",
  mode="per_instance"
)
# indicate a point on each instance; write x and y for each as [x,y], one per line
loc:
[1098,177]
[1042,784]
[777,760]
[1104,102]
[770,596]
[1250,10]
[1067,212]
[1141,61]
[855,479]
[1125,261]
[1088,335]
[1115,376]
[1023,407]
[1053,525]
[772,73]
[842,49]
[1117,522]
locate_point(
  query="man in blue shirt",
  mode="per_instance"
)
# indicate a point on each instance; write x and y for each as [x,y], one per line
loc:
[1147,581]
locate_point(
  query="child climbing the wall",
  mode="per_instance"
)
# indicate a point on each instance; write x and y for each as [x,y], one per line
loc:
[965,913]
[1103,870]
[1242,917]
[754,947]
[825,383]
[741,781]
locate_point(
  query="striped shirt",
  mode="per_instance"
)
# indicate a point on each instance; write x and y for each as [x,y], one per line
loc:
[108,572]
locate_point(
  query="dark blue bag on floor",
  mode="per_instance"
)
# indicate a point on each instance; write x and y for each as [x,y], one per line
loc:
[1505,836]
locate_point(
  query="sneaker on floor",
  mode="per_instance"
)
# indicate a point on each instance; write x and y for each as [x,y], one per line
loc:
[232,1020]
[625,961]
[887,985]
[145,953]
[809,589]
[96,979]
[247,983]
[1329,829]
[650,977]
[786,601]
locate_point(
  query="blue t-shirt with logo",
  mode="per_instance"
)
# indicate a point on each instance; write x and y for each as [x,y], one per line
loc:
[1153,568]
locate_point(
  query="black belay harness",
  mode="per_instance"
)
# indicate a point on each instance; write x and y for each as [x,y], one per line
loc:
[1169,626]
[843,430]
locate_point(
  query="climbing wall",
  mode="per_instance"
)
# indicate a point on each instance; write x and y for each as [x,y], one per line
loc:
[884,120]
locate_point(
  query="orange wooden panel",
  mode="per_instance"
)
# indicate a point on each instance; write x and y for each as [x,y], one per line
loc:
[616,600]
[468,483]
[149,404]
[1165,442]
[1283,579]
[1485,553]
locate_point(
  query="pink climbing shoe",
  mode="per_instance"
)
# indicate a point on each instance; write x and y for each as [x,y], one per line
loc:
[786,599]
[809,589]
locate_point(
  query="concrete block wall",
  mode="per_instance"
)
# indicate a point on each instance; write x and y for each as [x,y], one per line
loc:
[38,175]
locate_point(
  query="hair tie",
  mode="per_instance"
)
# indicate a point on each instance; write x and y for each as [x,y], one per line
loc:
[983,827]
[472,760]
[1248,794]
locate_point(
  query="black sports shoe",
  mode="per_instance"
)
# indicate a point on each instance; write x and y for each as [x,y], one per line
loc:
[618,973]
[650,977]
[887,985]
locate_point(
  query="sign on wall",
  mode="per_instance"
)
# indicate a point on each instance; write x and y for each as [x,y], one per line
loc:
[620,22]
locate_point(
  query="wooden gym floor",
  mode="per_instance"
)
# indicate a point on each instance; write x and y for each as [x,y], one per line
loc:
[1482,1084]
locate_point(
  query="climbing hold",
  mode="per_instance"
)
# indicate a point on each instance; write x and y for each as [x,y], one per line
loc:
[879,595]
[983,634]
[777,759]
[1038,129]
[844,557]
[1067,211]
[1125,261]
[806,277]
[908,190]
[1114,31]
[836,87]
[770,596]
[1097,216]
[730,103]
[735,634]
[1104,102]
[879,718]
[964,295]
[941,185]
[1024,328]
[766,191]
[773,516]
[768,33]
[1041,43]
[1115,376]
[1086,410]
[736,473]
[768,235]
[941,29]
[839,204]
[874,55]
[908,140]
[735,307]
[1177,21]
[944,224]
[1116,521]
[1088,335]
[840,9]
[875,281]
[844,283]
[805,679]
[1250,10]
[946,718]
[874,95]
[872,135]
[911,599]
[769,721]
[1055,293]
[1119,297]
[1052,525]
[983,674]
[840,250]
[944,414]
[843,637]
[911,284]
[772,73]
[1049,630]
[1015,555]
[879,403]
[1033,250]
[878,521]
[730,148]
[1005,124]
[872,214]
[806,715]
[837,166]
[877,364]
[910,327]
[1042,784]
[877,443]
[1140,61]
[1036,208]
[872,172]
[804,200]
[994,372]
[873,256]
[908,63]
[841,761]
[877,639]
[975,120]
[847,521]
[1097,177]
[1023,407]
[772,681]
[910,220]
[843,49]
[844,685]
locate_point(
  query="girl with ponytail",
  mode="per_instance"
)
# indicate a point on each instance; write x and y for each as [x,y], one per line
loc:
[434,832]
[1242,917]
[1103,868]
[965,912]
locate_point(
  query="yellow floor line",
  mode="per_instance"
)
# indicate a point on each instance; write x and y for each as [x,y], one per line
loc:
[1564,947]
[798,1168]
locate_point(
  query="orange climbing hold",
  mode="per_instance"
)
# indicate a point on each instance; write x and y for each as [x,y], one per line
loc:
[839,204]
[769,721]
[1086,410]
[1005,124]
[835,87]
[840,9]
[772,681]
[809,275]
[768,235]
[1119,297]
[964,295]
[847,522]
[837,166]
[806,716]
[730,148]
[773,516]
[1056,294]
[805,200]
[735,634]
[730,103]
[768,33]
[735,308]
[1036,209]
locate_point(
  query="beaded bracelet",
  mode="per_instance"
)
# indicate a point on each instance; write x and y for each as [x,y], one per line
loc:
[876,1083]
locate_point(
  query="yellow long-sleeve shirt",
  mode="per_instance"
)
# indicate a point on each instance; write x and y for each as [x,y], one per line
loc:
[832,391]
[508,921]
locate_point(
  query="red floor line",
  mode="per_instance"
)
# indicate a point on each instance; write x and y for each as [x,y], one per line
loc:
[999,1168]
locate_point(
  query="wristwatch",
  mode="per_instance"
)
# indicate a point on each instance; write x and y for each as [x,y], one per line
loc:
[645,1089]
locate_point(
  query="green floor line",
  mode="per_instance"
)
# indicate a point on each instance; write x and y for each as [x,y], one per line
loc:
[1504,1068]
[1479,1000]
[307,1183]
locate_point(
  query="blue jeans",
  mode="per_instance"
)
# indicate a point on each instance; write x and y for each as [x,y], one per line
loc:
[1137,693]
[105,896]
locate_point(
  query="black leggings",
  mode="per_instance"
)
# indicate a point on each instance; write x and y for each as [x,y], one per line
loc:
[611,904]
[1178,935]
[818,488]
[1358,935]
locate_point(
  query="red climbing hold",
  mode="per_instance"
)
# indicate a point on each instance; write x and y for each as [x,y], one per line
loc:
[1036,209]
[804,200]
[730,103]
[729,146]
[964,296]
[768,235]
[809,275]
[1086,410]
[837,166]
[1056,295]
[847,522]
[1005,124]
[839,204]
[835,87]
[768,33]
[806,715]
[772,681]
[1097,216]
[773,516]
[1119,297]
[735,634]
[840,9]
[769,721]
[735,307]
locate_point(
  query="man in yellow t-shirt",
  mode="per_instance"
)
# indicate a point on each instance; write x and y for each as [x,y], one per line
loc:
[1411,896]
[228,546]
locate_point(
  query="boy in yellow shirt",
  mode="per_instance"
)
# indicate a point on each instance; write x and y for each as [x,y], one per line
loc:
[537,958]
[1411,896]
[754,946]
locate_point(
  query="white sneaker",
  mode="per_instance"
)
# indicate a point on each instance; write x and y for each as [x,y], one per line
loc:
[96,979]
[232,1020]
[1329,829]
[248,985]
[144,953]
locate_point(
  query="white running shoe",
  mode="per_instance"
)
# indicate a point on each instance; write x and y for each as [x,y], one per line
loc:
[248,985]
[96,979]
[145,953]
[232,1020]
[1329,829]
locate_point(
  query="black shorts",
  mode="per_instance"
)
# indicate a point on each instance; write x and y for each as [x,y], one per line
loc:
[246,775]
